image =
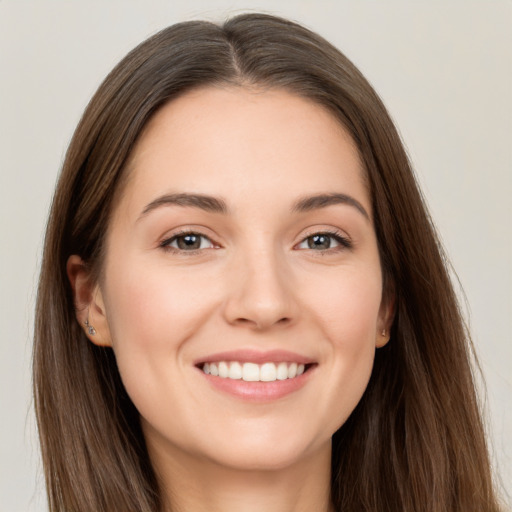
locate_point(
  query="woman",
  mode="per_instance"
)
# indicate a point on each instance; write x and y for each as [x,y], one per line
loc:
[243,304]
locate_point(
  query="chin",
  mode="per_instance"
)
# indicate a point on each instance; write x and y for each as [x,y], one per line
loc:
[257,454]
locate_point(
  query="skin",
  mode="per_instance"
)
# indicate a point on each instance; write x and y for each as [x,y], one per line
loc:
[255,283]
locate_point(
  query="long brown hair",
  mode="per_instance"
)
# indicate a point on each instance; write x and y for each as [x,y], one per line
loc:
[415,442]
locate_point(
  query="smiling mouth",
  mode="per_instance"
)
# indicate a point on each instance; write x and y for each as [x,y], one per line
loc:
[252,372]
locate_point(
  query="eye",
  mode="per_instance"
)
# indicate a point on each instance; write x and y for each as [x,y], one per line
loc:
[189,241]
[324,241]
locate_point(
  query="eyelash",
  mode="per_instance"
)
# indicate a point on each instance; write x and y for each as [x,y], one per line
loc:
[343,241]
[165,244]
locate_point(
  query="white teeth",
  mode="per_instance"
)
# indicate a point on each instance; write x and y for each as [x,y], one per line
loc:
[252,372]
[282,371]
[235,371]
[223,369]
[268,372]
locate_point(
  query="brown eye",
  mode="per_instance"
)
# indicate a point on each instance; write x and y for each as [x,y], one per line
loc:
[188,242]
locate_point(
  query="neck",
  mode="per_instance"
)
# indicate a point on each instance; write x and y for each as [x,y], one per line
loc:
[195,485]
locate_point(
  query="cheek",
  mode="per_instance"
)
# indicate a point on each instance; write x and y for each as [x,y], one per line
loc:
[153,306]
[348,315]
[151,314]
[348,308]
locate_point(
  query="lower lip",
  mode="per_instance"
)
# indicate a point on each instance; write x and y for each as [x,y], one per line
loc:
[259,391]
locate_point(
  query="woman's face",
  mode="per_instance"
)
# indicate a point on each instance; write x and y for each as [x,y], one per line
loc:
[242,244]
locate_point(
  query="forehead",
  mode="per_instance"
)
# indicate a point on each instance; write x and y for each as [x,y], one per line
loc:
[243,143]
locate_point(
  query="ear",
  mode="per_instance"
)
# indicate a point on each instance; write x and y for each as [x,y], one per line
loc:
[89,304]
[386,317]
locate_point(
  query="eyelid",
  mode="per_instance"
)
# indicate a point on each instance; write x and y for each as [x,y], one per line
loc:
[341,238]
[168,239]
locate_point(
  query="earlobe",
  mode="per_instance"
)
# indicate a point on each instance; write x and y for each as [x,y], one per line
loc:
[386,316]
[88,300]
[382,338]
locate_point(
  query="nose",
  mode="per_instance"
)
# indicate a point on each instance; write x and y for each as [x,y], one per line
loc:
[260,293]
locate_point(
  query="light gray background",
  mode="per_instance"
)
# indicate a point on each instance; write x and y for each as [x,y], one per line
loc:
[444,69]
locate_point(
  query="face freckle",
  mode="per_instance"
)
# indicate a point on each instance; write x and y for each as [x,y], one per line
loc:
[212,257]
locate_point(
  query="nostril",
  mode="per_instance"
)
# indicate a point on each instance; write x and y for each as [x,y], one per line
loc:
[261,323]
[243,321]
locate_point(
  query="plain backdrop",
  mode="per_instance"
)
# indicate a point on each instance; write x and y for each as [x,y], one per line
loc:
[443,68]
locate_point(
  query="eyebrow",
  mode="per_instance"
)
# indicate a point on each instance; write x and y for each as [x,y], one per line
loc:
[316,202]
[216,205]
[203,202]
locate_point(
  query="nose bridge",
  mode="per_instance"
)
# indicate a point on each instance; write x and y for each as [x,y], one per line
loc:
[260,293]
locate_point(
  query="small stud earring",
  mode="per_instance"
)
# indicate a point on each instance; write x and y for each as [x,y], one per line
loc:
[90,329]
[383,333]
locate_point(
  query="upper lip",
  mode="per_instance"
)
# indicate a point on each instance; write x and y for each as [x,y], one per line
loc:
[256,356]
